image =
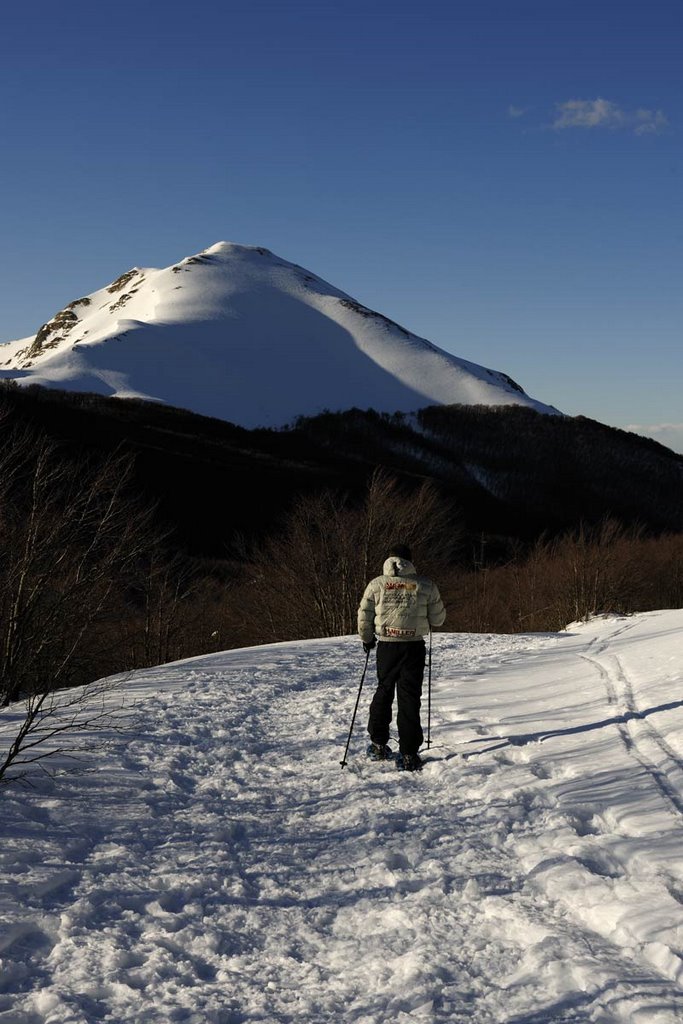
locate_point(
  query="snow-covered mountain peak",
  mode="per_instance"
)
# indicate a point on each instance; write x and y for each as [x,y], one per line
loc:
[223,247]
[238,333]
[234,249]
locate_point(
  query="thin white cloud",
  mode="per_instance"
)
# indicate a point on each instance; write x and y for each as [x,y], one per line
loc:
[669,434]
[517,112]
[601,113]
[587,114]
[650,122]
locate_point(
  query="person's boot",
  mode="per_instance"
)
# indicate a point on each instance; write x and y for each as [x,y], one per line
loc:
[380,752]
[409,762]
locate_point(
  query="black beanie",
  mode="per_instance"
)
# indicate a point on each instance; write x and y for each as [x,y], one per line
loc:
[400,551]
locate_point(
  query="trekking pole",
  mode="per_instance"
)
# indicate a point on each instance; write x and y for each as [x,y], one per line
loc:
[429,693]
[362,680]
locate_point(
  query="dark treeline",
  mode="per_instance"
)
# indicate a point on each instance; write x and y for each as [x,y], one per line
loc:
[306,581]
[514,474]
[134,535]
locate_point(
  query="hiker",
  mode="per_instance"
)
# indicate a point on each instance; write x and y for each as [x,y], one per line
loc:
[398,608]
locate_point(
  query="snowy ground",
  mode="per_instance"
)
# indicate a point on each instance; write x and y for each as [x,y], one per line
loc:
[217,865]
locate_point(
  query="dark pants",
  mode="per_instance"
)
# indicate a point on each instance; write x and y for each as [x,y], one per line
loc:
[400,668]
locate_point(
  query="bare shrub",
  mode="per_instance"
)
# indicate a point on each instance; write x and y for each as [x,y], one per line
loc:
[53,729]
[308,581]
[609,568]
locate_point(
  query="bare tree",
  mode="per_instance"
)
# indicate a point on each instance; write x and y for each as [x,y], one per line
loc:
[72,539]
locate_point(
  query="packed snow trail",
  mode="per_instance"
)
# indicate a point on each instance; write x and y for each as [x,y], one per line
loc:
[217,865]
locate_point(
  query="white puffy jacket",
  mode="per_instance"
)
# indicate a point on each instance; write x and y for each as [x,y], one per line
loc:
[399,605]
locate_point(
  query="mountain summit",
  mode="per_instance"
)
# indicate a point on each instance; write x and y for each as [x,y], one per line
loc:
[237,333]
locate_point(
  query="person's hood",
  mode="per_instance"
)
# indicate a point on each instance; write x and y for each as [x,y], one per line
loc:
[395,566]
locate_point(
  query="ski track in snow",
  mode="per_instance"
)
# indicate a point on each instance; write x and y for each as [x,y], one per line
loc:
[217,865]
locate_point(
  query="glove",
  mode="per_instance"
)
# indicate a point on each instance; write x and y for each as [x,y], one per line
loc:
[369,644]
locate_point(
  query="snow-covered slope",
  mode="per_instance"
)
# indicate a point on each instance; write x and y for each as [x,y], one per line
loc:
[238,333]
[213,863]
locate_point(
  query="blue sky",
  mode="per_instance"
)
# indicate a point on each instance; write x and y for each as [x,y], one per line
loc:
[504,178]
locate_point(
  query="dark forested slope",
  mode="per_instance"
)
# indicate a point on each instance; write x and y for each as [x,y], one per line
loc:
[514,473]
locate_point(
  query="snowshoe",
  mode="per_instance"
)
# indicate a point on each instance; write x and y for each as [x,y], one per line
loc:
[380,752]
